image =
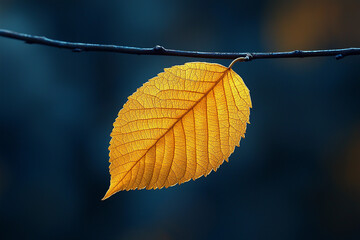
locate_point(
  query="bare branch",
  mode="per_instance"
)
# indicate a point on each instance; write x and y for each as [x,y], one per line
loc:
[159,50]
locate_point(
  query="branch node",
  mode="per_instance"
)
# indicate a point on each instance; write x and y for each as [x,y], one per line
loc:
[159,48]
[299,53]
[248,57]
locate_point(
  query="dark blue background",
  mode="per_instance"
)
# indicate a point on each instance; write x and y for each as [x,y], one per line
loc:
[295,176]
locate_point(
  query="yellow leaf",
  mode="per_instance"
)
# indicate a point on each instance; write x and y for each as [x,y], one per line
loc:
[178,126]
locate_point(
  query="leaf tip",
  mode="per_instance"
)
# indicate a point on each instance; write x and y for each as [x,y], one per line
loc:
[111,191]
[107,195]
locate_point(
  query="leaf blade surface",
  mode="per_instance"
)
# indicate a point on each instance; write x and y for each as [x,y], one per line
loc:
[180,125]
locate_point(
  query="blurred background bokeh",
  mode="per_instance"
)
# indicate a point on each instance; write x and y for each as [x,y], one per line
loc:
[296,174]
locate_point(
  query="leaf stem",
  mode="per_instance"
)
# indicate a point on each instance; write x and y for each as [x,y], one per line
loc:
[159,50]
[241,59]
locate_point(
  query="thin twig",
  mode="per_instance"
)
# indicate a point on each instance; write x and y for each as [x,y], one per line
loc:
[159,50]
